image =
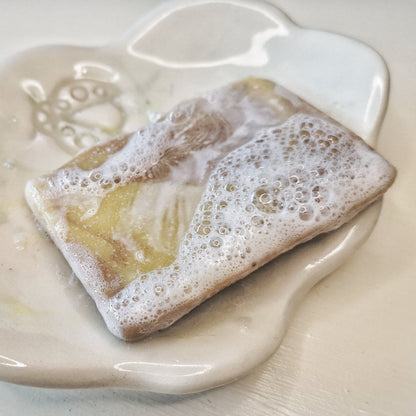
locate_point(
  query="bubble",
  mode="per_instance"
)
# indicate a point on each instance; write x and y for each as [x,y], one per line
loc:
[215,242]
[332,139]
[84,182]
[320,194]
[325,211]
[324,143]
[292,206]
[203,229]
[99,91]
[79,93]
[41,116]
[294,179]
[257,221]
[158,290]
[74,181]
[302,195]
[96,175]
[177,116]
[250,208]
[222,205]
[207,213]
[223,230]
[280,182]
[106,183]
[63,105]
[68,131]
[88,140]
[207,206]
[268,200]
[305,212]
[319,172]
[265,198]
[230,187]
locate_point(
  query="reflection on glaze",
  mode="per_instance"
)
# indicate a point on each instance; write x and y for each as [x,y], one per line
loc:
[336,251]
[10,362]
[371,111]
[255,54]
[163,369]
[97,71]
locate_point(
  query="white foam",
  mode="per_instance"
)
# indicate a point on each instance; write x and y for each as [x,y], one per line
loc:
[195,133]
[268,180]
[262,198]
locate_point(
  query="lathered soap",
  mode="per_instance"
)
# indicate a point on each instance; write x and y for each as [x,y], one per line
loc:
[155,222]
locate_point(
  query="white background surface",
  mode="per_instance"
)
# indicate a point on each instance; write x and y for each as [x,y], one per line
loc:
[351,347]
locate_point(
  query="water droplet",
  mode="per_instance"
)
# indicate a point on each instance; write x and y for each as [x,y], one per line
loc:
[19,240]
[9,163]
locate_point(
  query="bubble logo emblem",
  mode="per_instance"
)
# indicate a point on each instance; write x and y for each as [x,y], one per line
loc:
[77,113]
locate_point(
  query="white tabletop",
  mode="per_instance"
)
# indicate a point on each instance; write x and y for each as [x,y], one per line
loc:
[351,346]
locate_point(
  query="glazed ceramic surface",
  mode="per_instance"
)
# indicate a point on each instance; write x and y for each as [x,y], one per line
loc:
[50,333]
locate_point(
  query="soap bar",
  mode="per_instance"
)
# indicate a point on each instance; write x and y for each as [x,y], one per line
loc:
[155,222]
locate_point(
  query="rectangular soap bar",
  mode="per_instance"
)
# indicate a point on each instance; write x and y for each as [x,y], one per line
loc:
[155,222]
